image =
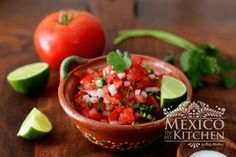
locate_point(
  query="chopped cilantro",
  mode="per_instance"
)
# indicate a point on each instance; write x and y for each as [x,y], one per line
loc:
[100,107]
[122,101]
[121,90]
[78,87]
[100,82]
[149,69]
[90,104]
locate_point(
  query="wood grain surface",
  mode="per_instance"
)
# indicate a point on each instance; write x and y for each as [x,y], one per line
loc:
[211,21]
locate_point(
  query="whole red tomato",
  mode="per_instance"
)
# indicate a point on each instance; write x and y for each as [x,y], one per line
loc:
[62,34]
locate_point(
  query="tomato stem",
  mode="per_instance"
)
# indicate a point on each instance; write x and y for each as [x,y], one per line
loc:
[65,17]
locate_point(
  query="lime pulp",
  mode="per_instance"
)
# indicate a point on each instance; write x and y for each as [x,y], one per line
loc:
[173,91]
[35,125]
[29,79]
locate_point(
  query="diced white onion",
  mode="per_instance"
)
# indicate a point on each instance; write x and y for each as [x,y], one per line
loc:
[112,72]
[121,75]
[105,113]
[92,93]
[126,83]
[114,122]
[137,92]
[104,72]
[107,70]
[152,76]
[152,89]
[93,99]
[106,101]
[112,89]
[100,92]
[86,98]
[143,93]
[99,82]
[108,107]
[157,73]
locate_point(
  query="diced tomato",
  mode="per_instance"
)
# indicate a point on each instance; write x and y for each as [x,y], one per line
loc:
[95,105]
[79,99]
[145,82]
[108,69]
[110,77]
[118,108]
[77,74]
[152,101]
[136,73]
[104,120]
[157,84]
[123,93]
[137,116]
[100,72]
[108,107]
[140,98]
[126,116]
[136,60]
[118,96]
[85,112]
[88,86]
[93,113]
[118,83]
[130,96]
[160,76]
[113,116]
[126,71]
[88,78]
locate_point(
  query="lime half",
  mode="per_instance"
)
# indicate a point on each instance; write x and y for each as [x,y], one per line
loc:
[173,91]
[35,125]
[29,79]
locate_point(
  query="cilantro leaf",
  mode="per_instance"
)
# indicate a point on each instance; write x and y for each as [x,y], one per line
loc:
[210,50]
[197,63]
[227,65]
[195,78]
[119,61]
[229,81]
[209,65]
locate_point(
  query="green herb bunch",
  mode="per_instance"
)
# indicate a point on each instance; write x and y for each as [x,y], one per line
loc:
[196,61]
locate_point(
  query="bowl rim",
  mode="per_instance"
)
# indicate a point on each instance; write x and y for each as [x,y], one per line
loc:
[76,115]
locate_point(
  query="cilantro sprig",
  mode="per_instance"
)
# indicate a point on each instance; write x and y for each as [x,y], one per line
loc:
[119,61]
[196,61]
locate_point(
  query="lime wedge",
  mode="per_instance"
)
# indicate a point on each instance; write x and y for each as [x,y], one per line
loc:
[173,91]
[29,79]
[35,125]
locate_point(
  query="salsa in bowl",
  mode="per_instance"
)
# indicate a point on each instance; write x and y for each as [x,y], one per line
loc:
[128,119]
[131,95]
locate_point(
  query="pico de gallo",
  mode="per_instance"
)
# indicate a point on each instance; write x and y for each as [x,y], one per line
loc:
[123,92]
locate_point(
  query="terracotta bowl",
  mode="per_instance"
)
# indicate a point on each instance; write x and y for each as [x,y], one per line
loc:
[228,148]
[115,137]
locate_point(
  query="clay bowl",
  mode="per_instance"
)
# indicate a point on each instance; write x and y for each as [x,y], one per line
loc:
[228,148]
[115,137]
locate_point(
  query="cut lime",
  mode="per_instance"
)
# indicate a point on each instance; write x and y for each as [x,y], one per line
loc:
[35,125]
[29,79]
[173,91]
